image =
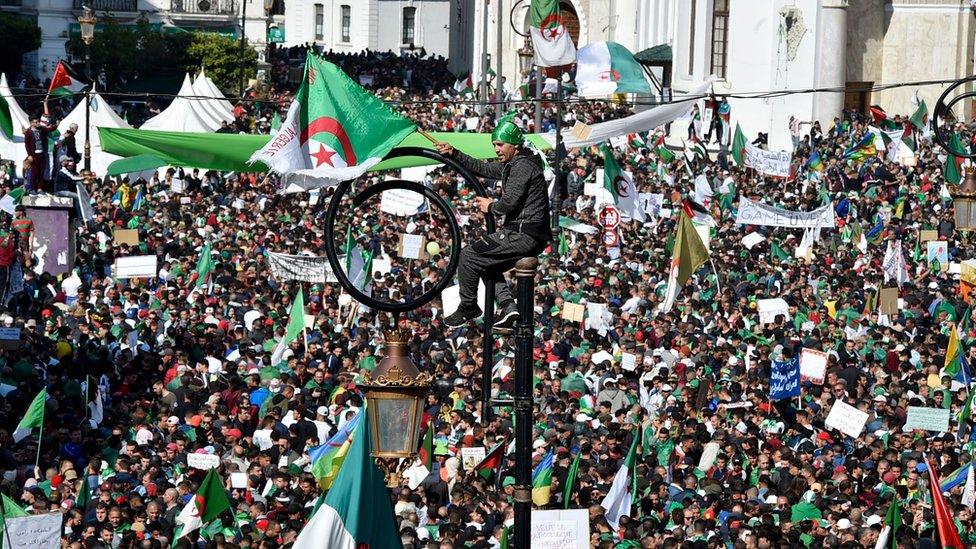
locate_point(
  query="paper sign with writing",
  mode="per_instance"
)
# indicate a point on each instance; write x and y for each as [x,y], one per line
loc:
[471,457]
[784,379]
[306,268]
[136,266]
[203,461]
[769,309]
[628,361]
[846,419]
[581,131]
[569,529]
[757,213]
[573,312]
[927,419]
[238,480]
[402,202]
[926,235]
[813,366]
[888,301]
[411,246]
[752,239]
[773,163]
[33,532]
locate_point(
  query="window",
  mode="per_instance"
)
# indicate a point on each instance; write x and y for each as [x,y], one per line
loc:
[319,21]
[720,37]
[346,18]
[691,39]
[409,20]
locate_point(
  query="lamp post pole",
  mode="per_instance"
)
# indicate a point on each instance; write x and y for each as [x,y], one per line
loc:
[86,22]
[243,41]
[525,271]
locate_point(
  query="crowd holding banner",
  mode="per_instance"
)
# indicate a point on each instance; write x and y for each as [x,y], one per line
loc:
[736,394]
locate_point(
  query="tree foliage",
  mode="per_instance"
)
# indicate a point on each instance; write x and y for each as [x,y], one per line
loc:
[121,54]
[221,57]
[20,35]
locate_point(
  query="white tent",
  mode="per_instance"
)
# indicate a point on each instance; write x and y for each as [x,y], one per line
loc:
[206,103]
[205,84]
[181,115]
[17,114]
[102,116]
[12,148]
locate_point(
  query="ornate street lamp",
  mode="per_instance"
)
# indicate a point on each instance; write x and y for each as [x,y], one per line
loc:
[395,392]
[87,21]
[964,201]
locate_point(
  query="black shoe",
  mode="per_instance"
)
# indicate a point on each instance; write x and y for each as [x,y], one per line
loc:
[461,316]
[507,318]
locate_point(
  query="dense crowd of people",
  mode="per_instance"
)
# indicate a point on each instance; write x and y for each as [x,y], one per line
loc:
[141,373]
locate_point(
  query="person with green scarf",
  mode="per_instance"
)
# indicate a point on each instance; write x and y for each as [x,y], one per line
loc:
[525,233]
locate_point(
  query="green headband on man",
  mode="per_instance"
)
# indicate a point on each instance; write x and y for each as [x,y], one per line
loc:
[507,132]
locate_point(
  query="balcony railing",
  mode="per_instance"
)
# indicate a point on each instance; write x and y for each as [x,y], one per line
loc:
[105,5]
[204,7]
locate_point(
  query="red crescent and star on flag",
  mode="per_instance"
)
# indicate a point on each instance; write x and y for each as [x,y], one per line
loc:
[327,124]
[552,26]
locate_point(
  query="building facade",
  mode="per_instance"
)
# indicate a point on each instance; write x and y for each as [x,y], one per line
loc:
[58,20]
[438,27]
[766,45]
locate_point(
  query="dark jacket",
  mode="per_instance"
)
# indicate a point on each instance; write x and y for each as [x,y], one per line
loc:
[525,195]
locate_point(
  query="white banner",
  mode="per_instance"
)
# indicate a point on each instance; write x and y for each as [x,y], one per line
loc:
[402,202]
[33,532]
[813,366]
[769,309]
[756,213]
[307,268]
[136,266]
[773,163]
[203,461]
[846,419]
[569,529]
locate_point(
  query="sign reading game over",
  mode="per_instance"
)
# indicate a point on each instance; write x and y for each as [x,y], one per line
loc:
[755,213]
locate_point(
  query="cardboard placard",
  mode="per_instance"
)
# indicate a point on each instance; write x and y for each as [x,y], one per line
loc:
[846,419]
[927,235]
[888,301]
[927,419]
[569,529]
[573,312]
[411,246]
[581,131]
[813,366]
[938,250]
[126,236]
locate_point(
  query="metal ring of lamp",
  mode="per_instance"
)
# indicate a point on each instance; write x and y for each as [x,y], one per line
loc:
[942,107]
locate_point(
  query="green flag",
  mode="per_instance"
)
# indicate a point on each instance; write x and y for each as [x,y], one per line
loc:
[204,266]
[778,253]
[83,498]
[571,479]
[804,511]
[953,168]
[9,510]
[208,503]
[889,534]
[6,121]
[563,244]
[275,121]
[335,130]
[738,146]
[921,116]
[296,325]
[33,418]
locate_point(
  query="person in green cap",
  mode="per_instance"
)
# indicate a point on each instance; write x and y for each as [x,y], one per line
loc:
[526,231]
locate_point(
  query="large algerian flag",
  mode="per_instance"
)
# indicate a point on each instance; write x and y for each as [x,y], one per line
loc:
[606,68]
[688,255]
[65,82]
[34,418]
[621,186]
[356,511]
[296,325]
[550,39]
[920,118]
[618,500]
[335,131]
[953,168]
[205,506]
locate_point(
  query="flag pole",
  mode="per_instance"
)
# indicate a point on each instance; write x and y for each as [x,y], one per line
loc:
[301,288]
[3,516]
[40,436]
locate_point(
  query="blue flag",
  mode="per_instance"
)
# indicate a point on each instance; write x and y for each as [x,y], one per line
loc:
[784,379]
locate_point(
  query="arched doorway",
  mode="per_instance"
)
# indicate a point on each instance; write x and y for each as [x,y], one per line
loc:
[570,20]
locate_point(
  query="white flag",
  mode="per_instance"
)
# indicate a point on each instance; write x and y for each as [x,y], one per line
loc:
[969,492]
[894,263]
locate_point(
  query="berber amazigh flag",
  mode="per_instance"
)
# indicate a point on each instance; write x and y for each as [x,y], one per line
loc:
[688,255]
[550,38]
[65,82]
[335,131]
[356,512]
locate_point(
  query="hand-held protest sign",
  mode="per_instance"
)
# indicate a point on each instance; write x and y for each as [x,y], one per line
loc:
[813,366]
[784,379]
[846,419]
[755,213]
[927,419]
[772,163]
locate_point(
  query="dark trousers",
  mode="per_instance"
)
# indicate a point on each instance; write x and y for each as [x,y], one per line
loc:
[487,259]
[38,171]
